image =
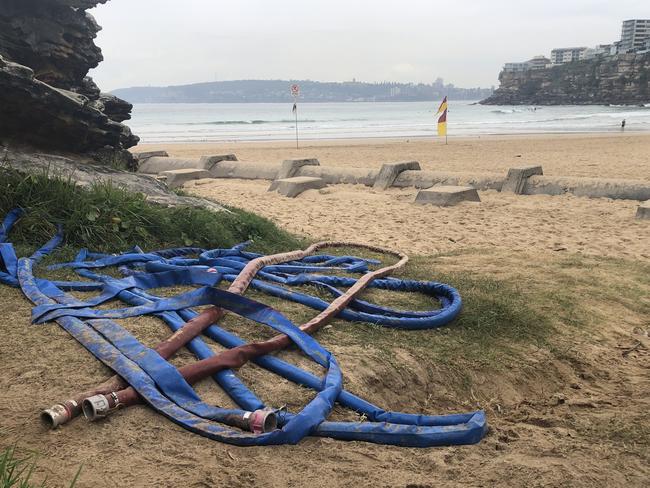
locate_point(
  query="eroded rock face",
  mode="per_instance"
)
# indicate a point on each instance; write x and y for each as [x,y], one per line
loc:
[46,98]
[622,79]
[53,37]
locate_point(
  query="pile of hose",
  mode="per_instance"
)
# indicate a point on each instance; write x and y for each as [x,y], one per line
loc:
[144,375]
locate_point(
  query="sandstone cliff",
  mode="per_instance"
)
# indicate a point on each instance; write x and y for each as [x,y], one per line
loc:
[47,100]
[622,79]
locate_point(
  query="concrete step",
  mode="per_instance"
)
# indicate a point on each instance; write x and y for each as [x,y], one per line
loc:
[447,196]
[177,177]
[292,187]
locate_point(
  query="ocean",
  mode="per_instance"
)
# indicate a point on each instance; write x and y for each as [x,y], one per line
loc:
[223,122]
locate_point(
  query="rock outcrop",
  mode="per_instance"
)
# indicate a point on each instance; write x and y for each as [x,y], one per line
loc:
[622,79]
[85,173]
[46,98]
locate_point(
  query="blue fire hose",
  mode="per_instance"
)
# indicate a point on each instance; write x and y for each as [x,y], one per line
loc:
[161,385]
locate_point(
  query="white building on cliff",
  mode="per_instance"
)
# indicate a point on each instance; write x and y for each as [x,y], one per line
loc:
[567,54]
[634,34]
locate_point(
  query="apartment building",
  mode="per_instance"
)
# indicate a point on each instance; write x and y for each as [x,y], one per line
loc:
[634,34]
[538,62]
[567,54]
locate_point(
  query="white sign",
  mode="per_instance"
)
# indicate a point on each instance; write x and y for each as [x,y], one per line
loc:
[295,90]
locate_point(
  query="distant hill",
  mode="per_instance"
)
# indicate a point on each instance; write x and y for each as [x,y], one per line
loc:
[310,91]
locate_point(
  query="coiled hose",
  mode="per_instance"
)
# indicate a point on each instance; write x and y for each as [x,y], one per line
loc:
[143,374]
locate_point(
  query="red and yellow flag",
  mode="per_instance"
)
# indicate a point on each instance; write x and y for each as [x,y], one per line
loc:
[442,121]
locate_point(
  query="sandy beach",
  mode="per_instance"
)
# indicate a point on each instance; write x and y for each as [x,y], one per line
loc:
[500,341]
[620,155]
[540,223]
[552,342]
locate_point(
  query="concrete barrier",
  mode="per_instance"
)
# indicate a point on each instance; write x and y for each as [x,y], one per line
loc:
[447,196]
[209,162]
[260,171]
[245,171]
[522,180]
[177,177]
[643,212]
[290,167]
[588,187]
[341,175]
[292,187]
[427,179]
[157,164]
[142,156]
[517,178]
[390,171]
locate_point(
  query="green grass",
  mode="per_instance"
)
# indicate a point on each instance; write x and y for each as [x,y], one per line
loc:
[106,217]
[497,316]
[17,472]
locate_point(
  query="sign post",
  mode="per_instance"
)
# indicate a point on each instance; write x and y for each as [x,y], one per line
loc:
[295,92]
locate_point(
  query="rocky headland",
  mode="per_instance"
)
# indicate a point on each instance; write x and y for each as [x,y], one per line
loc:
[623,79]
[53,117]
[47,100]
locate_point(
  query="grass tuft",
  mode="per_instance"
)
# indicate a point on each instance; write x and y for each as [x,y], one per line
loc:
[106,217]
[17,472]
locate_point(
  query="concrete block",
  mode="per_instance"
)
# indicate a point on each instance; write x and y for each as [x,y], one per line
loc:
[290,167]
[390,171]
[516,179]
[245,171]
[643,212]
[292,187]
[447,196]
[157,164]
[614,188]
[209,162]
[141,156]
[177,177]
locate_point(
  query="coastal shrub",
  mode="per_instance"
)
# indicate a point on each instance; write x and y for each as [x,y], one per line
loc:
[106,217]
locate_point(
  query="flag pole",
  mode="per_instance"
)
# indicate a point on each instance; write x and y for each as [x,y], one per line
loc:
[295,104]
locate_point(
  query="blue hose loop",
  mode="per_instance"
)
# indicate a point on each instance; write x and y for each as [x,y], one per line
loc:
[10,219]
[160,384]
[98,336]
[449,298]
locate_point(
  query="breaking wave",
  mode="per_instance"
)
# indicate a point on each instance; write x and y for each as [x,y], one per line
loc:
[247,122]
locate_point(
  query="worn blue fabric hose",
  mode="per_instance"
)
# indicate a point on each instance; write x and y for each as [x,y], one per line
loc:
[161,385]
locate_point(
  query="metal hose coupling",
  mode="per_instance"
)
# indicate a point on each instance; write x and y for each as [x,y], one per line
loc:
[58,414]
[261,421]
[99,406]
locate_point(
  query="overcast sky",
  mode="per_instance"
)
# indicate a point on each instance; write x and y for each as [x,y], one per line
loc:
[168,42]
